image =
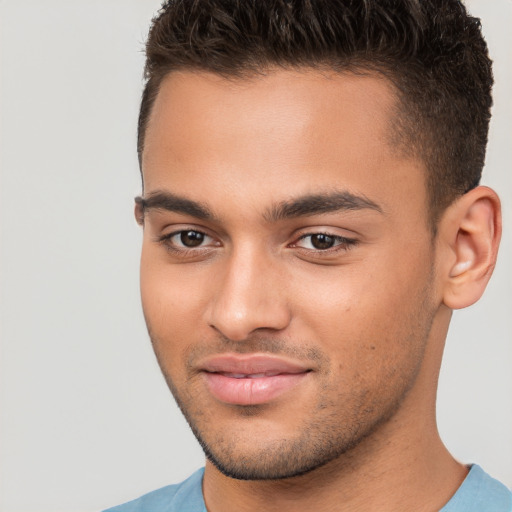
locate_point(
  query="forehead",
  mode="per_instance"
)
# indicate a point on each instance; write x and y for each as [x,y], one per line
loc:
[285,133]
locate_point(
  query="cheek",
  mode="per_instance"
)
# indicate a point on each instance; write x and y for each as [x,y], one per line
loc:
[167,290]
[372,317]
[171,306]
[339,300]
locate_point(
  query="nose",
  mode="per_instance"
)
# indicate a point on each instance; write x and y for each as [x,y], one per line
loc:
[250,295]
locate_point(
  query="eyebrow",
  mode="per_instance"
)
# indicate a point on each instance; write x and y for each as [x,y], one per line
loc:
[303,206]
[316,204]
[174,203]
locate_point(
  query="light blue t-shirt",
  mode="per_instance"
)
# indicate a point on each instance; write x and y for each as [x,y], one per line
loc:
[478,493]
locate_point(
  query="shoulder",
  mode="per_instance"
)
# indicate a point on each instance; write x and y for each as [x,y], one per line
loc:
[184,497]
[480,492]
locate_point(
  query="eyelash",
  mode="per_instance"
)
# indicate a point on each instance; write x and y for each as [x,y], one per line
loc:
[165,240]
[342,244]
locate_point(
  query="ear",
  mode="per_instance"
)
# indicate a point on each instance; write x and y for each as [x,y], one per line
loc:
[138,211]
[469,232]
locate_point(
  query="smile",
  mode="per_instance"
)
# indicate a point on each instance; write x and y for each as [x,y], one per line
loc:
[249,376]
[251,380]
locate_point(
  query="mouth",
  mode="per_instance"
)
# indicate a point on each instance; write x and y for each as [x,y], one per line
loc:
[251,379]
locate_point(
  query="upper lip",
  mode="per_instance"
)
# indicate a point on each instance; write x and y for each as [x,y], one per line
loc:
[251,364]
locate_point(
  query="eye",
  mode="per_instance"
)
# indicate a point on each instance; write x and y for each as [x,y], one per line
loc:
[323,242]
[320,241]
[191,238]
[186,239]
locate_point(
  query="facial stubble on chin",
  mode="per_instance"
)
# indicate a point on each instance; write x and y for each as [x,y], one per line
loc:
[320,440]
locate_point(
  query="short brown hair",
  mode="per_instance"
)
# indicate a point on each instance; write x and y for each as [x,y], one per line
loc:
[431,50]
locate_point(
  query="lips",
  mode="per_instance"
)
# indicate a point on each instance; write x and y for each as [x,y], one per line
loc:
[251,379]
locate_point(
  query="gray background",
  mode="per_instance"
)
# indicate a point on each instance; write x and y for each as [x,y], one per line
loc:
[86,419]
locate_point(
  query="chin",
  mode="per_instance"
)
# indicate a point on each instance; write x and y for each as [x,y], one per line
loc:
[253,455]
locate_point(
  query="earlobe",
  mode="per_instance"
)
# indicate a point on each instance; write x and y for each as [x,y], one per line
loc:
[471,232]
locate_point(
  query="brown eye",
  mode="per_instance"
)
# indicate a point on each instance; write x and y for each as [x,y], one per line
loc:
[188,242]
[322,241]
[191,238]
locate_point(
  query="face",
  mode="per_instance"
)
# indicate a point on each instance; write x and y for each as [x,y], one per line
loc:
[287,261]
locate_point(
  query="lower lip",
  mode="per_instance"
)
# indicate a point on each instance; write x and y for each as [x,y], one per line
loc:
[251,391]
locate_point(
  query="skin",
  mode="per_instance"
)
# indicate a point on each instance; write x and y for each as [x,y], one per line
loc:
[368,317]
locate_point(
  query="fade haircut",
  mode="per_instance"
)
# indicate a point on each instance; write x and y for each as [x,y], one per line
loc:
[431,50]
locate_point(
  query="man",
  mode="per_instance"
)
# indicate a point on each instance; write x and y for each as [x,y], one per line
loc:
[312,217]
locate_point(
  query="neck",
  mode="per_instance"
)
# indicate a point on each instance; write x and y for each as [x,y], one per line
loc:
[402,466]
